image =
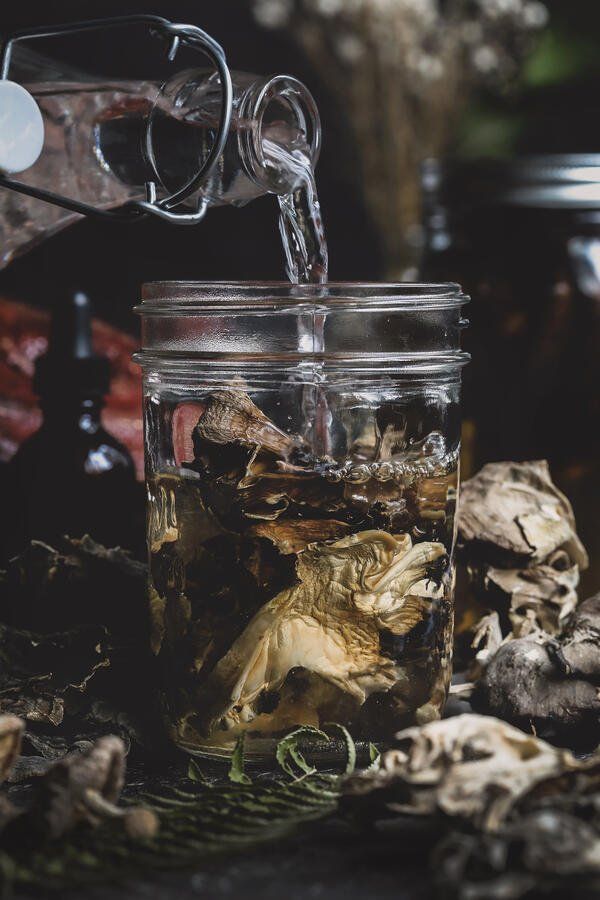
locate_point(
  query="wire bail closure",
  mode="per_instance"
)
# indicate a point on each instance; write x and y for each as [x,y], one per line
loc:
[176,34]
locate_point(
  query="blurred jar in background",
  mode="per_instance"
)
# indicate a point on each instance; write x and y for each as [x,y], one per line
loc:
[523,238]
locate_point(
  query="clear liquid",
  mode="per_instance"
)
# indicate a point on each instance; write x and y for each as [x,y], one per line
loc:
[289,590]
[300,221]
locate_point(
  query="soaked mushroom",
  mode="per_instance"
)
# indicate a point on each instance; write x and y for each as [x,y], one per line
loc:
[230,417]
[293,536]
[328,624]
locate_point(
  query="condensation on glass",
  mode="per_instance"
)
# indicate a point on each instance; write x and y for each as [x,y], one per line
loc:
[302,468]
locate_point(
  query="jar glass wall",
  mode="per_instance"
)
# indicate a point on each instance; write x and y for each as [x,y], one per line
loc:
[302,467]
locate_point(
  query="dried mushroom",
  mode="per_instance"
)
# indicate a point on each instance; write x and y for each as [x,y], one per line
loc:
[47,589]
[327,624]
[473,768]
[295,536]
[517,540]
[84,787]
[541,853]
[11,731]
[550,684]
[230,417]
[511,514]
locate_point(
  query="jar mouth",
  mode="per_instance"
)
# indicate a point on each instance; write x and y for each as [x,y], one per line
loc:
[181,297]
[359,365]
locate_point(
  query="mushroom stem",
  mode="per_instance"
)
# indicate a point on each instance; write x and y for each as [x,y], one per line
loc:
[98,804]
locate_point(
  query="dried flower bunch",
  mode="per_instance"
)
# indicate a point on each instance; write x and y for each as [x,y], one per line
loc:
[401,72]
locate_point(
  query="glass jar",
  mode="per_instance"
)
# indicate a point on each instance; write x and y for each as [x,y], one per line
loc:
[302,468]
[524,237]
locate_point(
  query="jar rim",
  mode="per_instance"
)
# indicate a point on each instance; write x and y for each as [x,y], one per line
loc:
[168,297]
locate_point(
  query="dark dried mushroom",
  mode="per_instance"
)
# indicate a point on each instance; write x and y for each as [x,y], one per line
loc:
[579,652]
[40,673]
[540,853]
[293,536]
[548,683]
[47,589]
[85,787]
[230,417]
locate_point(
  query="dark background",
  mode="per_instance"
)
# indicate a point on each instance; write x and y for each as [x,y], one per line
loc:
[111,261]
[553,107]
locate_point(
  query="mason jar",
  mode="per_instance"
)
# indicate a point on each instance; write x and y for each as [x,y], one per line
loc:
[523,236]
[302,448]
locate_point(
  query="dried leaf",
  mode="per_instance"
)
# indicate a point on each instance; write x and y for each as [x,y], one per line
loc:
[236,771]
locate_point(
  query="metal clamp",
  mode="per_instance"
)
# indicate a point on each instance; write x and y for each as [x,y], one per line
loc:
[176,34]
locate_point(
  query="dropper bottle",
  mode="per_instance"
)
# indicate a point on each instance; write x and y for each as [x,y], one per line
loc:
[71,477]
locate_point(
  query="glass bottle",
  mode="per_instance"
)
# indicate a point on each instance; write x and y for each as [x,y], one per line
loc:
[107,140]
[71,477]
[523,235]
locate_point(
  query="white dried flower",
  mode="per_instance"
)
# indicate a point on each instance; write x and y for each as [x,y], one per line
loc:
[535,15]
[327,8]
[430,67]
[349,47]
[272,13]
[485,59]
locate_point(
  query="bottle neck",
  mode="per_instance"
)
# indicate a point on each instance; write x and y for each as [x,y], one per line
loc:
[80,413]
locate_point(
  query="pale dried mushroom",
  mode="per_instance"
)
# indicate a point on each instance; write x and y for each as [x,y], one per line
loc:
[513,513]
[475,768]
[328,624]
[541,597]
[11,731]
[517,539]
